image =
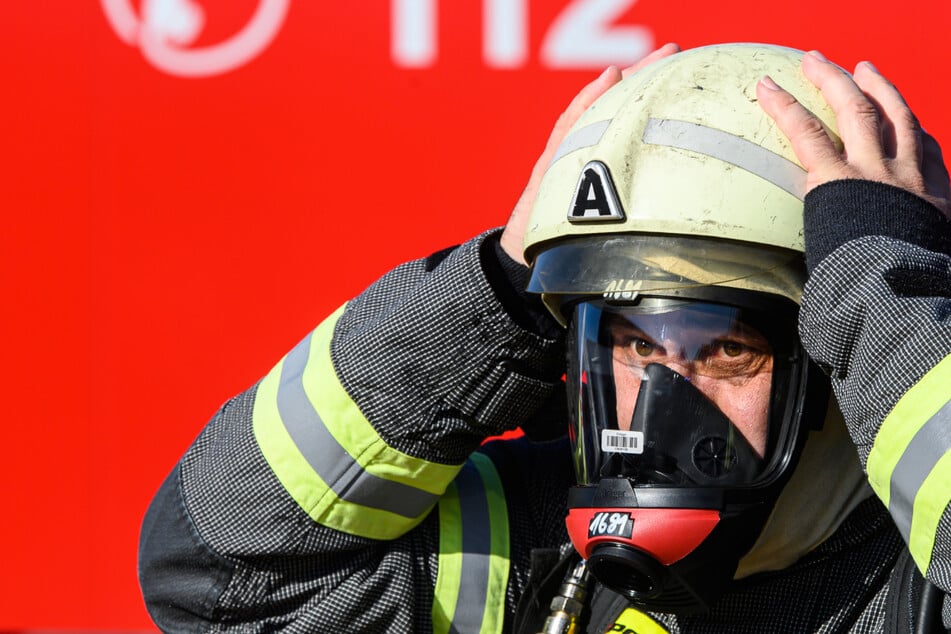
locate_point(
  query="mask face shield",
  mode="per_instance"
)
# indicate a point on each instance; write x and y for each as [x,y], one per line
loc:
[684,416]
[672,392]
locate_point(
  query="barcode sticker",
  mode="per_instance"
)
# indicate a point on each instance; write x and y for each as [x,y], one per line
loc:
[622,441]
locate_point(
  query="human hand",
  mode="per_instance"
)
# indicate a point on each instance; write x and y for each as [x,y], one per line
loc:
[514,231]
[882,138]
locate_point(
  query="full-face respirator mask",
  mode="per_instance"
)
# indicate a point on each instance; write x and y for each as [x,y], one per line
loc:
[667,237]
[684,422]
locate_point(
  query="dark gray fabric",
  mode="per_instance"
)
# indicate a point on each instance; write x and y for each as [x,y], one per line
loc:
[432,355]
[871,314]
[181,575]
[436,365]
[880,287]
[840,587]
[840,211]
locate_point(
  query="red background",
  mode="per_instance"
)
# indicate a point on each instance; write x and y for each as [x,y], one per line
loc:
[167,239]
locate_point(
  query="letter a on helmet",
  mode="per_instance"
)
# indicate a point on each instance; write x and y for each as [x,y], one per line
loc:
[595,197]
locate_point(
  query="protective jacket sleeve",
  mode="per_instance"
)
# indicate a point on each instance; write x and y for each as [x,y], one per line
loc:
[309,502]
[876,316]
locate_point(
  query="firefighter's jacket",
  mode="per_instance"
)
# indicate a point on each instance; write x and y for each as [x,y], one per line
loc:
[349,490]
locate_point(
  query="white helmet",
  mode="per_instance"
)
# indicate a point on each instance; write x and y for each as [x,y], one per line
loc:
[680,149]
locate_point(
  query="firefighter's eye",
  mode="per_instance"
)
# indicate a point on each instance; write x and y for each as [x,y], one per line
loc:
[642,348]
[732,348]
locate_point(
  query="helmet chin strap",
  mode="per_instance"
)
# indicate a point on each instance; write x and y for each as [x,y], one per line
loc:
[829,470]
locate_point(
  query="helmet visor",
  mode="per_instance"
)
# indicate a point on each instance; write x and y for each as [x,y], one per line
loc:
[653,263]
[677,392]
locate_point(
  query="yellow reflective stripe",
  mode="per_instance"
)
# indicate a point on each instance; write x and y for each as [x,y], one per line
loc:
[930,504]
[633,621]
[328,456]
[354,432]
[499,557]
[449,575]
[303,483]
[473,552]
[909,415]
[908,465]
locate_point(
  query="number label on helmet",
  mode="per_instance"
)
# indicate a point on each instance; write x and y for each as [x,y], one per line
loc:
[611,524]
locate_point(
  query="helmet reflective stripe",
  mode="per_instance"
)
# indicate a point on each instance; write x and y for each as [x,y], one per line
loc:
[581,138]
[730,148]
[473,552]
[909,465]
[329,457]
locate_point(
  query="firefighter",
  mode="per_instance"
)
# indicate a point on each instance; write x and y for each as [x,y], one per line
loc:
[692,472]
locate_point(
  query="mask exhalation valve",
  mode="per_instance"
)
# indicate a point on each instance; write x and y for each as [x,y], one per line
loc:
[627,571]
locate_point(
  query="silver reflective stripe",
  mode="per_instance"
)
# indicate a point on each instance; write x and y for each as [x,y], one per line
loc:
[328,458]
[581,138]
[476,549]
[729,148]
[928,445]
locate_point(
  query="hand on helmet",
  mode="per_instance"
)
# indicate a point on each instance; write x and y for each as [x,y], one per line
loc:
[511,239]
[882,137]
